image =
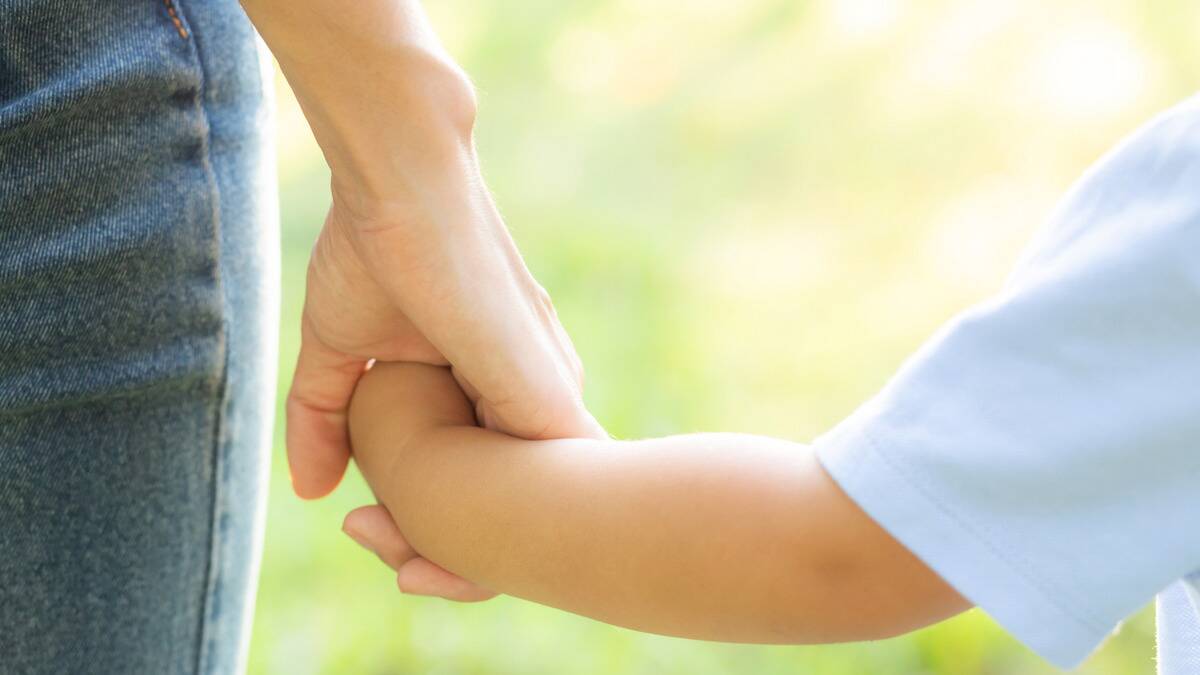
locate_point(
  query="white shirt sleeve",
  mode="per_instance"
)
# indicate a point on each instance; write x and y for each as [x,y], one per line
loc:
[1042,451]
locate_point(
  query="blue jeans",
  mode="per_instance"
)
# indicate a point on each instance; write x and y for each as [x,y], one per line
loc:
[138,319]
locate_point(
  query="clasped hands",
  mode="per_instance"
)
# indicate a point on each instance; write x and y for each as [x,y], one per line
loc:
[424,273]
[459,299]
[414,263]
[470,428]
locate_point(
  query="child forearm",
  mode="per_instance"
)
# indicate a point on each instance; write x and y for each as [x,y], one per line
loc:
[713,536]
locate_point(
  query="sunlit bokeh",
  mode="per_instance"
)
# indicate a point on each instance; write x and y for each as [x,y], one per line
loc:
[748,212]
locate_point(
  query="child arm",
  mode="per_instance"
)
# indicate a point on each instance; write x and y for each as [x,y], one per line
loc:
[712,536]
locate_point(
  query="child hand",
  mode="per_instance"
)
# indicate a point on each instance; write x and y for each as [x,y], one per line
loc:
[430,400]
[373,528]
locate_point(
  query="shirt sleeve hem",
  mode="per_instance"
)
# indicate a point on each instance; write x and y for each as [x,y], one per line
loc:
[967,561]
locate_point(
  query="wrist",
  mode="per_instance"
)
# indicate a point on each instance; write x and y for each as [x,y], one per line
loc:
[443,211]
[408,125]
[384,99]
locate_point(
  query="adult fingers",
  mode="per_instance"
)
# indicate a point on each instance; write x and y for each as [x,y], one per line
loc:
[318,445]
[478,305]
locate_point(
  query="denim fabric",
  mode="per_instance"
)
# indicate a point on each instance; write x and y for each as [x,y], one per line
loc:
[138,319]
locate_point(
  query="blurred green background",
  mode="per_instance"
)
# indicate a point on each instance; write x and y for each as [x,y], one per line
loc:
[748,212]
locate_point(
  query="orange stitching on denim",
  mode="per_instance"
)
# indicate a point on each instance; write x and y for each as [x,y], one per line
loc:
[175,18]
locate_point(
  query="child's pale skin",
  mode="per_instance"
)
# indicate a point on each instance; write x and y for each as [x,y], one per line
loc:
[712,536]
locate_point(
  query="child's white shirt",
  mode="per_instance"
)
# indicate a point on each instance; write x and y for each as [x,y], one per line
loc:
[1042,451]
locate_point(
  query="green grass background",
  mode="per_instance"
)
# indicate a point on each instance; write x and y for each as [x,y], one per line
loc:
[748,212]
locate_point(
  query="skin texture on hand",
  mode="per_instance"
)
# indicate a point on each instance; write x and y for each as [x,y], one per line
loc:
[433,297]
[712,536]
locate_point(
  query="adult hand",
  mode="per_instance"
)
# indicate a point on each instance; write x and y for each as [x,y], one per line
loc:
[414,262]
[441,283]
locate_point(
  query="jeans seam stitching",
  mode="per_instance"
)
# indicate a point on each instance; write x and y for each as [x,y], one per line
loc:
[171,11]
